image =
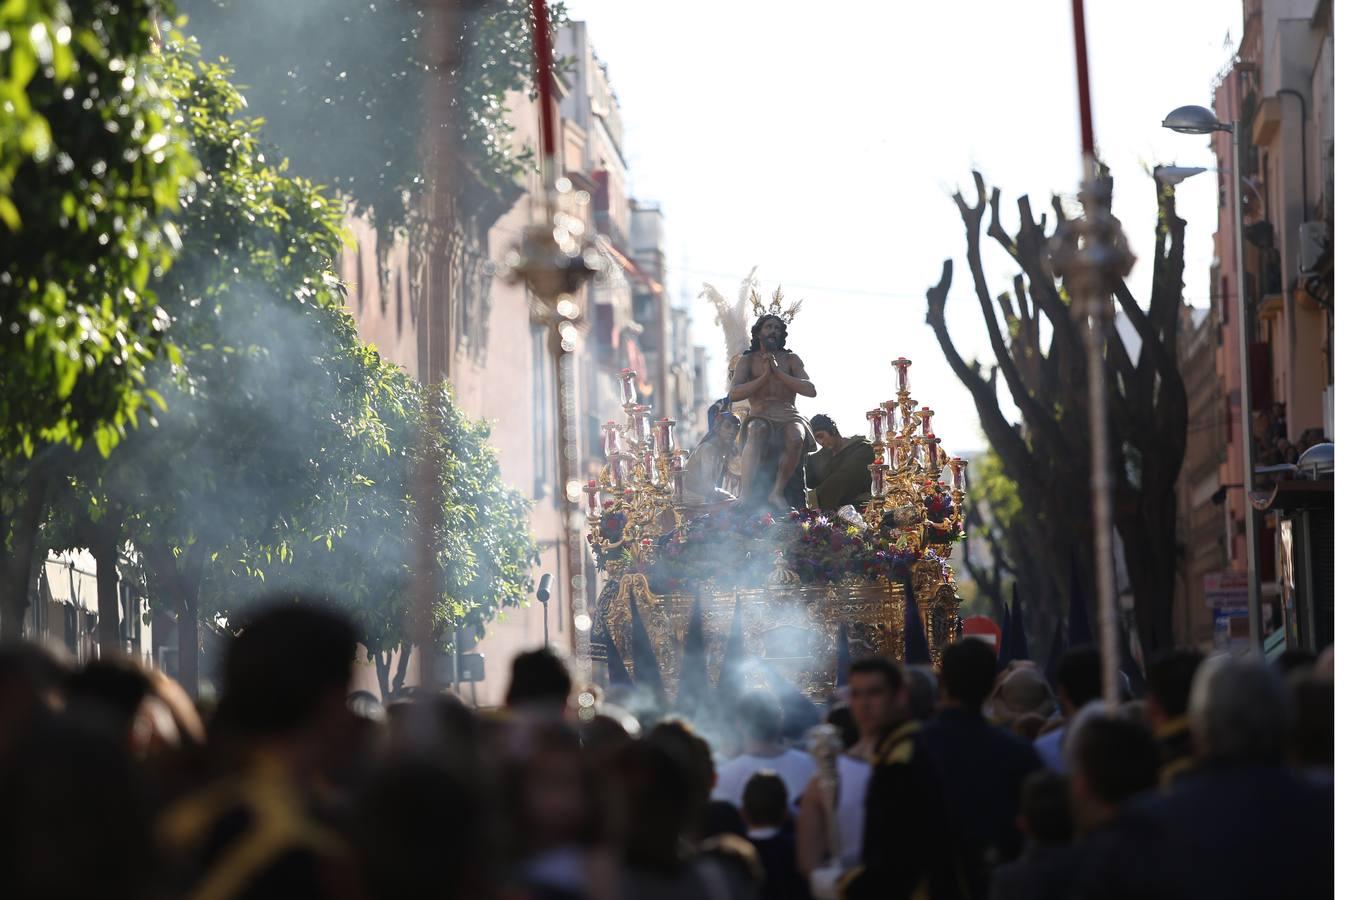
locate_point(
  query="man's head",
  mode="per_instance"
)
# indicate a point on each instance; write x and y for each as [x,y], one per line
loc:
[679,737]
[1170,675]
[1045,815]
[876,694]
[764,803]
[768,333]
[727,427]
[1080,678]
[287,673]
[1110,760]
[969,668]
[761,716]
[539,682]
[826,432]
[1240,711]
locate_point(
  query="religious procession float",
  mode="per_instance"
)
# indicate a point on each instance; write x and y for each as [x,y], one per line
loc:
[719,543]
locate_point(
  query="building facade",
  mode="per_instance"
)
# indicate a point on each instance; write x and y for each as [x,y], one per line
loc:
[1279,89]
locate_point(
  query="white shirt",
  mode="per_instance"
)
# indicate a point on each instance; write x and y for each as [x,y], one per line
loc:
[793,766]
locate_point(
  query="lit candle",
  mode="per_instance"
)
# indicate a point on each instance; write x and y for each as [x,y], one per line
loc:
[628,386]
[874,426]
[665,439]
[878,471]
[888,407]
[901,374]
[895,454]
[958,467]
[932,443]
[925,420]
[642,424]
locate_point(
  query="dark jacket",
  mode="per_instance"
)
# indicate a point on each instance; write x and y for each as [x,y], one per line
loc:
[778,856]
[982,768]
[1042,873]
[907,848]
[841,477]
[1245,831]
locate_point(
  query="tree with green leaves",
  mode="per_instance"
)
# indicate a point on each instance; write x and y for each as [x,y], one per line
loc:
[359,550]
[92,166]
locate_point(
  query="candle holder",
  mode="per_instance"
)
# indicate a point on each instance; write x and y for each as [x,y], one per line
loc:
[888,410]
[878,471]
[628,392]
[930,442]
[926,420]
[592,492]
[665,435]
[875,428]
[901,367]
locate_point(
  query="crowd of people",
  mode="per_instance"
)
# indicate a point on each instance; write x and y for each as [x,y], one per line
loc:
[961,781]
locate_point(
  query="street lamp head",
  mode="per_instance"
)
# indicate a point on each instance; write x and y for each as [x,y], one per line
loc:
[1194,120]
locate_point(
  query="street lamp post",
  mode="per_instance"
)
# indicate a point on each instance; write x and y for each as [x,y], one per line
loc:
[1201,120]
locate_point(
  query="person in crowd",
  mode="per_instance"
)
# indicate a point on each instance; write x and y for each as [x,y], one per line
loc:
[907,846]
[1312,744]
[1019,691]
[838,471]
[540,685]
[32,682]
[556,807]
[658,862]
[922,687]
[765,808]
[1079,677]
[281,728]
[1112,761]
[1169,689]
[760,717]
[1028,726]
[877,697]
[982,767]
[1242,824]
[1047,868]
[712,816]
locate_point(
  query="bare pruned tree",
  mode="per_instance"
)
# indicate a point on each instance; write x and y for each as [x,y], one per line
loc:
[1033,331]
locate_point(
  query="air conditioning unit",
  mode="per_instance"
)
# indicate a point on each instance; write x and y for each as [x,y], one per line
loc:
[1312,241]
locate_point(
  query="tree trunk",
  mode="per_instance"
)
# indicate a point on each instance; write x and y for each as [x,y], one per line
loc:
[382,661]
[18,562]
[404,655]
[104,549]
[181,580]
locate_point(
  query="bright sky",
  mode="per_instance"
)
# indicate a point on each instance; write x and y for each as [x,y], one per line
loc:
[824,148]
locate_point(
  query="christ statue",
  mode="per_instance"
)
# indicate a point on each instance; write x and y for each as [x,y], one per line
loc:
[769,377]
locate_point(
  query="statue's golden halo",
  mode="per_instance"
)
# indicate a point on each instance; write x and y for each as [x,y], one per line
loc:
[775,306]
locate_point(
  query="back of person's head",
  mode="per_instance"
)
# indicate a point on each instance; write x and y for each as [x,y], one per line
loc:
[764,802]
[1313,740]
[679,738]
[366,705]
[31,681]
[539,680]
[969,668]
[1080,675]
[1021,691]
[841,717]
[658,808]
[1240,711]
[1170,675]
[422,828]
[1046,815]
[111,689]
[761,716]
[291,658]
[1028,726]
[1294,660]
[822,422]
[1116,758]
[923,691]
[70,783]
